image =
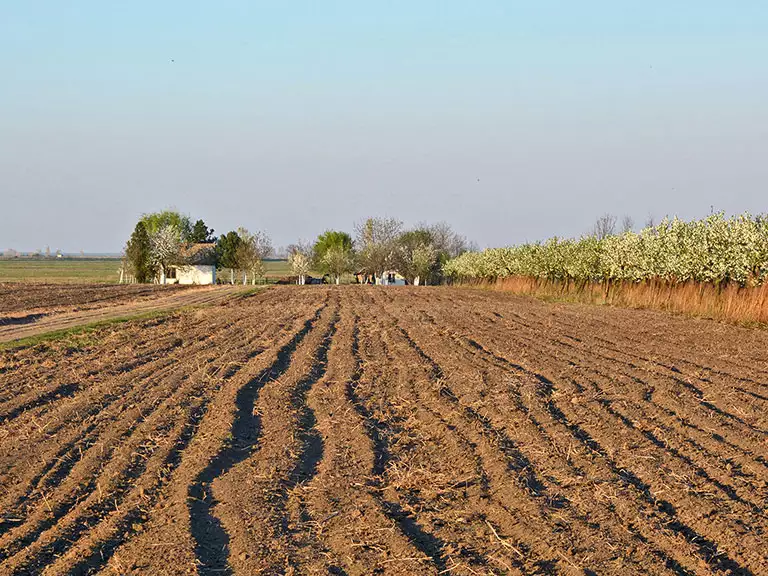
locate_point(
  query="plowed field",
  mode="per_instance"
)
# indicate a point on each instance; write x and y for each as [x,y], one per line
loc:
[32,321]
[17,297]
[372,430]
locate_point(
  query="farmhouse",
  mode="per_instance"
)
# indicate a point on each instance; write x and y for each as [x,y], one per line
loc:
[199,265]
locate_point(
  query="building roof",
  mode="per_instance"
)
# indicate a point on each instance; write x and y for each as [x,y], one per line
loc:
[201,253]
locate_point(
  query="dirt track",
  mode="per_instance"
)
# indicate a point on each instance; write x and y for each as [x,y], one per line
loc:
[26,296]
[371,430]
[39,320]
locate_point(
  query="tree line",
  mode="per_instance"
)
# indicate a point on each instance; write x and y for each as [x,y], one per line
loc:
[160,242]
[716,249]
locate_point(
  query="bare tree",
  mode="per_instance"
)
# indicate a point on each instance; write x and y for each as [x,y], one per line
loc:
[604,226]
[445,240]
[650,221]
[376,244]
[627,224]
[251,252]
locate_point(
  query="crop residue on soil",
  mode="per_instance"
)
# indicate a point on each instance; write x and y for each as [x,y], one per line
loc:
[372,430]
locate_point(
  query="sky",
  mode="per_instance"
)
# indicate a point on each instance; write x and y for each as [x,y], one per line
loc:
[513,121]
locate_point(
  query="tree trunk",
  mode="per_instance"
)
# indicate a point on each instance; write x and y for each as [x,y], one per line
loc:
[232,276]
[338,279]
[245,278]
[416,281]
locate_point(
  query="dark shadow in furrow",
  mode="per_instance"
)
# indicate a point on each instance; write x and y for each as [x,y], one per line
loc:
[58,467]
[692,388]
[311,441]
[126,527]
[648,397]
[96,513]
[697,470]
[528,559]
[611,346]
[64,461]
[171,462]
[707,549]
[62,391]
[92,516]
[499,360]
[548,387]
[676,370]
[753,394]
[62,508]
[427,543]
[728,490]
[696,391]
[375,428]
[516,460]
[211,540]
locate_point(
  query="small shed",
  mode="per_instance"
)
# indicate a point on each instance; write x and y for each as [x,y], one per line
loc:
[198,267]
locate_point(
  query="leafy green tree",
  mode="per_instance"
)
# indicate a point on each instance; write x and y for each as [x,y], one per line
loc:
[333,253]
[332,239]
[156,221]
[226,252]
[138,251]
[201,233]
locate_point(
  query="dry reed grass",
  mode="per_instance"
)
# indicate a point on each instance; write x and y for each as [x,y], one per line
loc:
[729,302]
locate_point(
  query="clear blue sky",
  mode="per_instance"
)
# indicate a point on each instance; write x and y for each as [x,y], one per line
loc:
[511,120]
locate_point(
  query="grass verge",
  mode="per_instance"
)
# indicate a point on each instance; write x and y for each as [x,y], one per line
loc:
[83,329]
[58,335]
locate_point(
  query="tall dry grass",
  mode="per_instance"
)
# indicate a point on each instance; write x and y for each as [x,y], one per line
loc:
[729,302]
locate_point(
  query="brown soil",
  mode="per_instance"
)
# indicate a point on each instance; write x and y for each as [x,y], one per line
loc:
[27,297]
[30,322]
[370,430]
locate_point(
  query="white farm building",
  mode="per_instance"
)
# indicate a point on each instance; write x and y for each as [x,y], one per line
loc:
[199,265]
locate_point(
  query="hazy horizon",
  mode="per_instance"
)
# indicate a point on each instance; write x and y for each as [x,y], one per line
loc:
[511,122]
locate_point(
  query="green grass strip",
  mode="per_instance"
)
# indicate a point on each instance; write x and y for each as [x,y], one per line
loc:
[64,333]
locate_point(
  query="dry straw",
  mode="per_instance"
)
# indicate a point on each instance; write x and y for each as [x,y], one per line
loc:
[730,302]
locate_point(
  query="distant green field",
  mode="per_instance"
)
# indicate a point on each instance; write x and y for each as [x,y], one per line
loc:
[92,270]
[64,270]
